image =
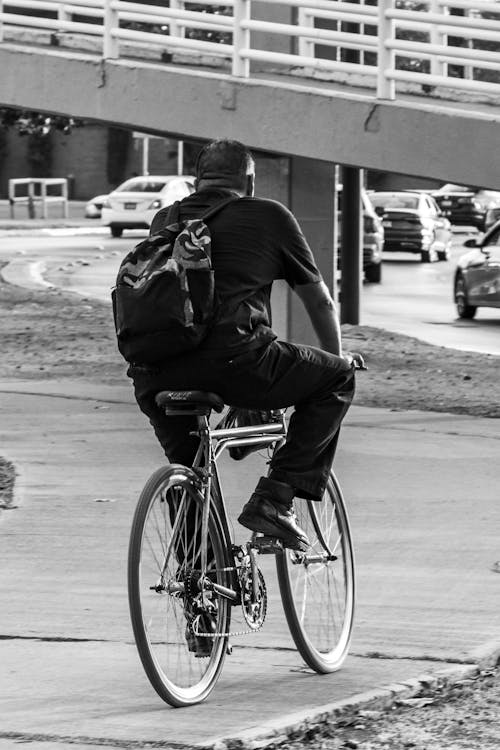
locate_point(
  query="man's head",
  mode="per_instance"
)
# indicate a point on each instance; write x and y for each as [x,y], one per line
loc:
[227,164]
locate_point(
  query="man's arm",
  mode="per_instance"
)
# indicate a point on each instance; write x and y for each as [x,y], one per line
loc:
[322,312]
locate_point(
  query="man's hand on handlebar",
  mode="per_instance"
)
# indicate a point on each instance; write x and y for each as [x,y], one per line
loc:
[355,360]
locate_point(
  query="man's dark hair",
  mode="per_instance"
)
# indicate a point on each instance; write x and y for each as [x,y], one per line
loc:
[224,159]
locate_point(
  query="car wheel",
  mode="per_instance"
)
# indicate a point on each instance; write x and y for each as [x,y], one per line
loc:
[116,231]
[429,256]
[373,273]
[464,310]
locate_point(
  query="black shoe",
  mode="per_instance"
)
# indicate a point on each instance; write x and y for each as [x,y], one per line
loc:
[270,511]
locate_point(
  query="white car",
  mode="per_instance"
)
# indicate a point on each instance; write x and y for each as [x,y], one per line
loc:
[93,207]
[134,203]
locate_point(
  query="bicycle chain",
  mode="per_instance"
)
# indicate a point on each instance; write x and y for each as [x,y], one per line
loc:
[231,633]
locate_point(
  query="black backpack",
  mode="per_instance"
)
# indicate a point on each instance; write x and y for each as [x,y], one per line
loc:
[164,297]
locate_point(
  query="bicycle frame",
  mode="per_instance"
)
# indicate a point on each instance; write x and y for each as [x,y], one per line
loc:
[212,443]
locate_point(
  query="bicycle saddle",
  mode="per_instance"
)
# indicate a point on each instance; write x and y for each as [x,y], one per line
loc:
[189,400]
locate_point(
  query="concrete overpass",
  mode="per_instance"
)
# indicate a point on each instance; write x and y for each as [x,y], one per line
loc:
[306,105]
[450,140]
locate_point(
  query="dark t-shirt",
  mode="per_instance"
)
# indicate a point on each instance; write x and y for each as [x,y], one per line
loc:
[254,242]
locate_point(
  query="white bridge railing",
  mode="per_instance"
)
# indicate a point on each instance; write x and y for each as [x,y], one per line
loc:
[450,43]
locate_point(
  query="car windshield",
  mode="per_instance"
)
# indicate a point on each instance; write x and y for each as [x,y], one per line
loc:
[141,186]
[394,200]
[451,188]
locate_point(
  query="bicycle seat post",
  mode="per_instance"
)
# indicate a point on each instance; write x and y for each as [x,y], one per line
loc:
[205,455]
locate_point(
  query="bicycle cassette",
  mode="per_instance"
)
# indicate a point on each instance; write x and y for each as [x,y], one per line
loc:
[253,603]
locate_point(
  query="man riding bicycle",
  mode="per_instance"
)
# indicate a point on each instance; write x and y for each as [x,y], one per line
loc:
[254,242]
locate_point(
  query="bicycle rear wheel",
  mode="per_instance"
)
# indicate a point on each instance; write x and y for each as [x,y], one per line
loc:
[318,587]
[163,573]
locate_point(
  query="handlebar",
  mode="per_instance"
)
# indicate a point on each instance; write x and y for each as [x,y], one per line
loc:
[355,360]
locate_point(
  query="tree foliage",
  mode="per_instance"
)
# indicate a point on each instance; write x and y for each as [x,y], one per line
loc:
[27,122]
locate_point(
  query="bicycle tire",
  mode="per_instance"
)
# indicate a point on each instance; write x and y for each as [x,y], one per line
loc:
[318,596]
[158,617]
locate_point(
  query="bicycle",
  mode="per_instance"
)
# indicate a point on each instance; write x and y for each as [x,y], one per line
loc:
[186,577]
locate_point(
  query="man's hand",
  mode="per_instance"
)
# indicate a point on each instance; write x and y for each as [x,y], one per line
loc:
[355,360]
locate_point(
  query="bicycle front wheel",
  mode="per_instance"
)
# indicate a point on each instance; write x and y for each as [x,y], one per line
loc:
[317,587]
[164,568]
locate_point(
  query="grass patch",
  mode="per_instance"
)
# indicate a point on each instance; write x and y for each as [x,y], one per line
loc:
[48,334]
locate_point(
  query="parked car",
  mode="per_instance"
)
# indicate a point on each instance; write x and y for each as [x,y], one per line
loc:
[93,207]
[477,276]
[373,238]
[492,216]
[468,206]
[413,223]
[134,203]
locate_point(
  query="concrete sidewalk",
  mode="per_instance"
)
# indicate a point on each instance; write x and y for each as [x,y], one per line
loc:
[422,491]
[21,224]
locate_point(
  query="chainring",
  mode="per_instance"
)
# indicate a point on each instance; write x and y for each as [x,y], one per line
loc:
[254,608]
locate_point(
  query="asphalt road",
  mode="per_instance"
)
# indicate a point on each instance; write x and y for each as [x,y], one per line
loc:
[416,299]
[413,298]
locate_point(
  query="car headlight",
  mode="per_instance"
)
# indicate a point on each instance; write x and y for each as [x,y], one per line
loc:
[106,204]
[155,204]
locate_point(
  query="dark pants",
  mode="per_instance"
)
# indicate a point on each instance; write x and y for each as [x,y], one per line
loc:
[319,385]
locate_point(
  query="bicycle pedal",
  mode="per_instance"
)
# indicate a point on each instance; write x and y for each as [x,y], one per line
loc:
[267,545]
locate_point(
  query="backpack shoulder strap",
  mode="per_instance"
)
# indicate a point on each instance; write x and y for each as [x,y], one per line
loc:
[169,215]
[218,206]
[172,216]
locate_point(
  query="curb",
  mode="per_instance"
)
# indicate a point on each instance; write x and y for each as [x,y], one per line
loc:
[304,725]
[52,229]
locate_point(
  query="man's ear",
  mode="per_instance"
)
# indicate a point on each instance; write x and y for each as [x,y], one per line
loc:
[250,188]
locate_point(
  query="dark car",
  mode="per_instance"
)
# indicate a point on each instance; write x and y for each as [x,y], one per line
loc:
[373,237]
[477,277]
[413,223]
[468,206]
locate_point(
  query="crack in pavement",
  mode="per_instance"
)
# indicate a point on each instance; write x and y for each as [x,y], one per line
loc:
[367,655]
[415,657]
[54,639]
[26,737]
[415,427]
[67,396]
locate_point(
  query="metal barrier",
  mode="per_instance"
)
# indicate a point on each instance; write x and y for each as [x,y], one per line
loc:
[464,64]
[36,192]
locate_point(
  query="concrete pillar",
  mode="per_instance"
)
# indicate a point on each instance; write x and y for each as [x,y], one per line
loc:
[351,253]
[312,199]
[272,181]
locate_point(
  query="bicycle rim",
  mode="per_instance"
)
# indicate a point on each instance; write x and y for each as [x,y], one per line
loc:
[318,593]
[158,617]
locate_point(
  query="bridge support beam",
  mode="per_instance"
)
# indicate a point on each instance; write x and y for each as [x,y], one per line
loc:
[286,114]
[351,245]
[312,201]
